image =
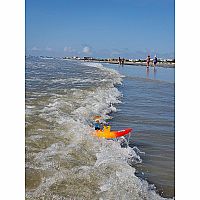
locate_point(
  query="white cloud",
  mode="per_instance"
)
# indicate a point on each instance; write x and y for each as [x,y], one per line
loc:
[87,50]
[35,49]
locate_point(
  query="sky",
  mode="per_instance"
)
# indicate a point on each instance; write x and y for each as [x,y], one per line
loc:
[100,28]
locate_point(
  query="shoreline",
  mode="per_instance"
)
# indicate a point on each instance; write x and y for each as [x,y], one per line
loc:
[166,65]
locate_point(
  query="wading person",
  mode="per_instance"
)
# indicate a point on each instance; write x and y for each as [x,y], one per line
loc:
[148,61]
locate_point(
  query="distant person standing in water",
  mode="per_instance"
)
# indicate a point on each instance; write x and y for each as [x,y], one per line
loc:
[155,60]
[119,61]
[148,60]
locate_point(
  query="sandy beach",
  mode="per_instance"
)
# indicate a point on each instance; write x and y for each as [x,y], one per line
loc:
[159,64]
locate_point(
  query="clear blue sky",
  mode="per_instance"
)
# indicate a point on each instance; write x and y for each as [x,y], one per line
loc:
[100,28]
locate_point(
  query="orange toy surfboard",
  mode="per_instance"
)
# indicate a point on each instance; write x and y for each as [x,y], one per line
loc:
[106,133]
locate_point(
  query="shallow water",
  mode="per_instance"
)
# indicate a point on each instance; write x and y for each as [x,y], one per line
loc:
[148,107]
[63,159]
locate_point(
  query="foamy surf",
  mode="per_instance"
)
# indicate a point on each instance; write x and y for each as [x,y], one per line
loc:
[63,159]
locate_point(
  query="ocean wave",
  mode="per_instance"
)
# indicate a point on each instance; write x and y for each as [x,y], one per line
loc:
[63,158]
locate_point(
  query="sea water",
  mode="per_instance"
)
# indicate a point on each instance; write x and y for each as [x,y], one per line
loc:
[63,159]
[148,106]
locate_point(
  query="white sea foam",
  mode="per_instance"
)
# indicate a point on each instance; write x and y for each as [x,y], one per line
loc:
[117,75]
[98,102]
[113,174]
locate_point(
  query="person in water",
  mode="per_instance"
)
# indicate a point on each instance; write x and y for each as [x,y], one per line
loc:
[119,60]
[155,60]
[97,125]
[148,60]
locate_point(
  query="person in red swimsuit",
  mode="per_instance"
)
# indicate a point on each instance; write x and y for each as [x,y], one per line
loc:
[148,60]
